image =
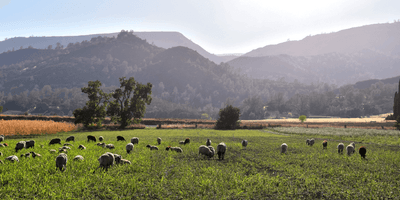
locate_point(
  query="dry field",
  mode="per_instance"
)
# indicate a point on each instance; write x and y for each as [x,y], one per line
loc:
[26,127]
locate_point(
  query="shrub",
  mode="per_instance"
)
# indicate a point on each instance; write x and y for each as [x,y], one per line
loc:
[228,118]
[302,118]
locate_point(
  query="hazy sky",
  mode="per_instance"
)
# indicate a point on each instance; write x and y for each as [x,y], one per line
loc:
[219,26]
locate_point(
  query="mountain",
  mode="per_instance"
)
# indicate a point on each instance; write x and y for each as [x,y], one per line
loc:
[383,38]
[367,83]
[161,39]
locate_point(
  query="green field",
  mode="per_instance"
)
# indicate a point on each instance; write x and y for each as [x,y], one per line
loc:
[259,172]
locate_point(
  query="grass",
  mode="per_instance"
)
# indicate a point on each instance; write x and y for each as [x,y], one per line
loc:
[259,172]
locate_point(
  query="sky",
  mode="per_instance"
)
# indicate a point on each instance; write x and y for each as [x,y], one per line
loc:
[219,26]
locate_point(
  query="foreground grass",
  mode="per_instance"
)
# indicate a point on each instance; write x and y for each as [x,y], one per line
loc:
[259,172]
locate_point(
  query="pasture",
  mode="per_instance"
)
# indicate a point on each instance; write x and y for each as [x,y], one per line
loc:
[258,172]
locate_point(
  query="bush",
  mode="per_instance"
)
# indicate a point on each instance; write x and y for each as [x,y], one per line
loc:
[228,118]
[302,118]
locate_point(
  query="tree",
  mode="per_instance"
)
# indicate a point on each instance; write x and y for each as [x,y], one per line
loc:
[92,112]
[302,118]
[228,118]
[125,107]
[396,105]
[1,109]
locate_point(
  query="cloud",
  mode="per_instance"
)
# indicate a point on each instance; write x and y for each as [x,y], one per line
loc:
[4,3]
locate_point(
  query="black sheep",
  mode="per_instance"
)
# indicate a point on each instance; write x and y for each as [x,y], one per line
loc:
[55,141]
[362,150]
[91,137]
[70,138]
[324,144]
[120,138]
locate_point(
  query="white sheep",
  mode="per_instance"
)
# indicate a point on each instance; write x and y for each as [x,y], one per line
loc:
[12,158]
[129,147]
[78,158]
[101,144]
[221,149]
[61,161]
[350,149]
[106,160]
[340,147]
[244,143]
[20,145]
[52,151]
[1,138]
[101,138]
[203,149]
[152,147]
[177,149]
[110,146]
[208,143]
[159,141]
[124,161]
[354,146]
[284,147]
[135,140]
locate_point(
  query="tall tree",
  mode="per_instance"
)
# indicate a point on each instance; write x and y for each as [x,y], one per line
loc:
[396,105]
[130,102]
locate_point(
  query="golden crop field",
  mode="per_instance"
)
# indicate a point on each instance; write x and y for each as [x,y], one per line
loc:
[33,127]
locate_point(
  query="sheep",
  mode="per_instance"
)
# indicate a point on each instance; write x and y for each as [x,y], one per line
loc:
[70,138]
[91,138]
[311,142]
[362,150]
[152,147]
[120,138]
[101,138]
[1,154]
[158,140]
[182,142]
[12,158]
[324,144]
[221,149]
[34,155]
[62,151]
[1,138]
[110,146]
[20,145]
[106,160]
[212,150]
[187,141]
[244,143]
[117,158]
[52,150]
[61,161]
[81,147]
[350,149]
[65,147]
[203,149]
[68,144]
[27,155]
[340,147]
[124,161]
[135,140]
[354,146]
[1,145]
[208,143]
[78,158]
[129,147]
[101,144]
[308,141]
[5,144]
[284,147]
[177,149]
[30,144]
[55,141]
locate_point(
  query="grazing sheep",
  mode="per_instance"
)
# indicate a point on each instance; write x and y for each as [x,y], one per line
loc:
[110,146]
[26,155]
[308,141]
[68,144]
[182,142]
[1,138]
[208,143]
[350,149]
[177,149]
[152,147]
[62,151]
[117,158]
[30,144]
[354,146]
[78,158]
[61,161]
[70,138]
[284,147]
[244,143]
[221,149]
[101,138]
[65,147]
[120,138]
[5,144]
[159,141]
[20,145]
[340,147]
[311,142]
[81,147]
[324,144]
[52,151]
[187,141]
[91,138]
[34,155]
[55,141]
[1,145]
[101,144]
[106,160]
[124,161]
[362,150]
[203,149]
[135,140]
[12,158]
[129,147]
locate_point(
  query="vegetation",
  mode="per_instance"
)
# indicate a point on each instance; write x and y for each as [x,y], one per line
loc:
[228,118]
[28,127]
[302,118]
[259,172]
